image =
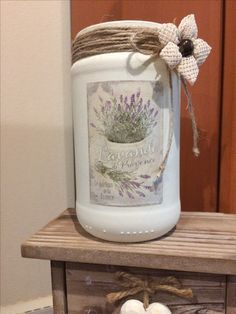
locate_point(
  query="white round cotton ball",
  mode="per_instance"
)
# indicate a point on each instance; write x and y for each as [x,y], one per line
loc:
[132,307]
[158,308]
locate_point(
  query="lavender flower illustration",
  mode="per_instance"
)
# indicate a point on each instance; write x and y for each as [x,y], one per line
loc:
[126,182]
[126,119]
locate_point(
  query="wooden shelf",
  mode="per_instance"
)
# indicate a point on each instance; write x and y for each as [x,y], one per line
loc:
[201,242]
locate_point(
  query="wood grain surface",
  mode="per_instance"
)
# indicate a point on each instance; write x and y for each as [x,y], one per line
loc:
[59,292]
[231,295]
[199,176]
[87,286]
[228,141]
[201,242]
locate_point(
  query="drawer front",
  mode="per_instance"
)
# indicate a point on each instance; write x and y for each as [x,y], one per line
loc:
[87,287]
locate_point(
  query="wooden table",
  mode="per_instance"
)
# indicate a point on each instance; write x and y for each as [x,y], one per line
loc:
[200,252]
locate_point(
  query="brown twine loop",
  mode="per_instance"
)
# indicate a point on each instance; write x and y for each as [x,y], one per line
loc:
[140,39]
[148,287]
[195,147]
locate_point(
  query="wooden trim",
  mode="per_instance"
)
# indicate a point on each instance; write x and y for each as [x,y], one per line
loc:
[231,295]
[227,193]
[59,287]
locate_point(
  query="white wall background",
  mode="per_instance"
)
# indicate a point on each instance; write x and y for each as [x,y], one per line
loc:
[36,136]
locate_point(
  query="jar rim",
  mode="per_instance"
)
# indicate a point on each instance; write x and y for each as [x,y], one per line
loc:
[119,23]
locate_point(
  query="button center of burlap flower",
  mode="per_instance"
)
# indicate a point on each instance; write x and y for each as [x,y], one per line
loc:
[186,47]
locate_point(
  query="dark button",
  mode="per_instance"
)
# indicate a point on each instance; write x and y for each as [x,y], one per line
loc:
[186,47]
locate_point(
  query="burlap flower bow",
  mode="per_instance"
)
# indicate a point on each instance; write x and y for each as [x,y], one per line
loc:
[182,50]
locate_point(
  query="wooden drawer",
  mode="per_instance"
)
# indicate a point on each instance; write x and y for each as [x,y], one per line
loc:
[87,287]
[200,252]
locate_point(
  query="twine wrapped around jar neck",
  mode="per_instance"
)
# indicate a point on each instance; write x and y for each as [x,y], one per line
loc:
[115,39]
[132,39]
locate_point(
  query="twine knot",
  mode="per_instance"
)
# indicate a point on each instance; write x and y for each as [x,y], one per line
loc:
[147,287]
[134,285]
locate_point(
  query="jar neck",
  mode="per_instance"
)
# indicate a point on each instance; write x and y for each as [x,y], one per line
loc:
[115,39]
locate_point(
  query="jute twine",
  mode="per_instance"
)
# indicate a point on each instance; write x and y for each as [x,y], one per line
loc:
[196,150]
[115,39]
[133,39]
[134,285]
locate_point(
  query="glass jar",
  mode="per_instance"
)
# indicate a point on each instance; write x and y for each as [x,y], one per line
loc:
[123,103]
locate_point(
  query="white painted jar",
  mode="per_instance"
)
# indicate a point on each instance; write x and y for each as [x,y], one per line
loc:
[122,103]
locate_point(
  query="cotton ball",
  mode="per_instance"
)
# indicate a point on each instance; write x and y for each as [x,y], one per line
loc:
[132,307]
[158,308]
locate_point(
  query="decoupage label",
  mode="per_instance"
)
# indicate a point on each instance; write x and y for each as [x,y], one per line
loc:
[125,121]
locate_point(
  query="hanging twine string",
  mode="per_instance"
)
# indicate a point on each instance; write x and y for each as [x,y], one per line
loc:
[144,40]
[134,285]
[196,150]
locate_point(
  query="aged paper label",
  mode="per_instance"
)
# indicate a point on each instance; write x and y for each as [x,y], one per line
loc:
[125,121]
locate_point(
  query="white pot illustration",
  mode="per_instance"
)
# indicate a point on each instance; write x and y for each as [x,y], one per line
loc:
[130,153]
